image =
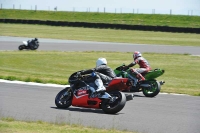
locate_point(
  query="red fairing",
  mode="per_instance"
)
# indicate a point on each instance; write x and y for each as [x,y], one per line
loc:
[119,84]
[84,101]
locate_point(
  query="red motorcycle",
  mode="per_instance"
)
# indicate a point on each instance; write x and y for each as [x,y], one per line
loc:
[78,94]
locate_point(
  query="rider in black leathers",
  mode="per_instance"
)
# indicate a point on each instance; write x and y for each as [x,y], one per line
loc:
[32,43]
[103,74]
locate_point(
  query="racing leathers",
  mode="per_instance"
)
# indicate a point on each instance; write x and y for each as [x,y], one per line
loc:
[104,72]
[144,67]
[101,75]
[32,43]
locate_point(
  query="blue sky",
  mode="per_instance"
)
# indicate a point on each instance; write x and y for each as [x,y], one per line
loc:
[184,6]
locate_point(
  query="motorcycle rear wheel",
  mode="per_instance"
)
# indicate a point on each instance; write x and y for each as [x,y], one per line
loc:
[115,106]
[64,98]
[21,47]
[153,91]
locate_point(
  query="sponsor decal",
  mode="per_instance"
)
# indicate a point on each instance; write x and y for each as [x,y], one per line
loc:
[81,92]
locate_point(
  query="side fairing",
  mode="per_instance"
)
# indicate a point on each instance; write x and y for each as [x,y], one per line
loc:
[154,74]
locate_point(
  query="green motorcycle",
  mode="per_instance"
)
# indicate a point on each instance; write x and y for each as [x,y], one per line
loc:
[150,86]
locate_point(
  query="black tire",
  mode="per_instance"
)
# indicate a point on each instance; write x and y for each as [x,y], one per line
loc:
[21,47]
[117,105]
[154,90]
[62,100]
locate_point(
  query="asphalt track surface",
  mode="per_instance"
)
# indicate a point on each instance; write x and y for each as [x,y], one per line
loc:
[165,113]
[12,43]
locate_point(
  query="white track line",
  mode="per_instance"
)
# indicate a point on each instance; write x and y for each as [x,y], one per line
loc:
[32,83]
[54,85]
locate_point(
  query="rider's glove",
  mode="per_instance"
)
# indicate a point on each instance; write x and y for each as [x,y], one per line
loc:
[125,67]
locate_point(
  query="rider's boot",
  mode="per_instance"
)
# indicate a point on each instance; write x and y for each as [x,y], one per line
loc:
[100,86]
[140,77]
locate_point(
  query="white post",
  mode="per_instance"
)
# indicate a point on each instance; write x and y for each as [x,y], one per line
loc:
[153,11]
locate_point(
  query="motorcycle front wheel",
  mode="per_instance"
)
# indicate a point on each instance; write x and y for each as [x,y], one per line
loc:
[116,104]
[64,98]
[153,90]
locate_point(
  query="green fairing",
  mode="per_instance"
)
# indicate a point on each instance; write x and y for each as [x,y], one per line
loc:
[153,74]
[118,73]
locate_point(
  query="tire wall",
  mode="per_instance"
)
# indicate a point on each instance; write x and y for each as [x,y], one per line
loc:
[104,25]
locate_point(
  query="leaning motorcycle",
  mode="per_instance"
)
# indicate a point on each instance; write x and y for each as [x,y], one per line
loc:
[29,45]
[150,86]
[79,94]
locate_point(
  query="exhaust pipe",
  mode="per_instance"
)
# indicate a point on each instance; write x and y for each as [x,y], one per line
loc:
[145,85]
[129,97]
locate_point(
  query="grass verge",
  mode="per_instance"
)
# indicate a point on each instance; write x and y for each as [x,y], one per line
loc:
[101,35]
[9,125]
[181,70]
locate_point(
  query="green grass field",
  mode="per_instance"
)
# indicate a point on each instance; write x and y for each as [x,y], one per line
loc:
[56,67]
[9,125]
[101,35]
[129,18]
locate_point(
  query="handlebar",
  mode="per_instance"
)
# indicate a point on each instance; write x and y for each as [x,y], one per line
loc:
[122,68]
[77,76]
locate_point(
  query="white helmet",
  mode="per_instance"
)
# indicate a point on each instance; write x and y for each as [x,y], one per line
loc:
[101,61]
[136,54]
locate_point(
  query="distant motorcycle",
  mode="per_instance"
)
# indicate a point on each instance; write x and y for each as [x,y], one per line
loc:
[29,45]
[78,95]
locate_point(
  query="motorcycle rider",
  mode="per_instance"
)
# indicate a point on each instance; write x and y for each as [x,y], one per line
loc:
[101,74]
[32,42]
[142,62]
